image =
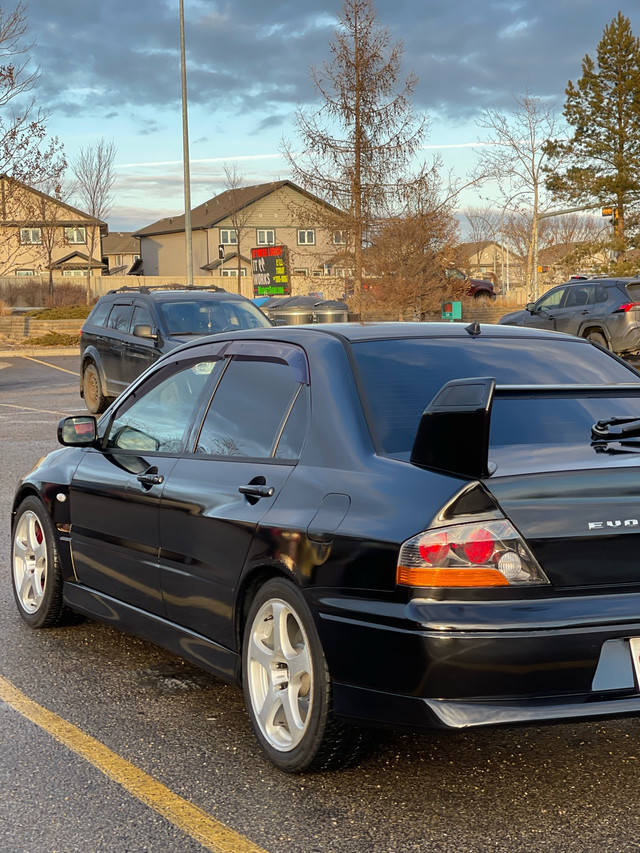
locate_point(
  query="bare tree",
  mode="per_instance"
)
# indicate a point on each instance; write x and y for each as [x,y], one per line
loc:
[47,209]
[408,255]
[94,178]
[240,213]
[483,223]
[25,153]
[515,158]
[358,146]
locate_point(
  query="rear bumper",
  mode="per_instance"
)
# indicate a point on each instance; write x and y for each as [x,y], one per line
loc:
[414,713]
[453,665]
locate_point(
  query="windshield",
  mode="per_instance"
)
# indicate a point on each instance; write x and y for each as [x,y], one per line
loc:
[400,378]
[203,317]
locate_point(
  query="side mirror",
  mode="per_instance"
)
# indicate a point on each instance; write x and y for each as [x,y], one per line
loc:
[143,330]
[453,434]
[79,431]
[531,307]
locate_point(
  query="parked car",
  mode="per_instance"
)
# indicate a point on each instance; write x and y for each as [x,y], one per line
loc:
[478,288]
[401,524]
[605,310]
[130,328]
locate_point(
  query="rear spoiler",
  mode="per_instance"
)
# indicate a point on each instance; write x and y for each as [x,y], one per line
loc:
[453,434]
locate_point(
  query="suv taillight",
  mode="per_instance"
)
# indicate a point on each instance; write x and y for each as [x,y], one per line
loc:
[626,306]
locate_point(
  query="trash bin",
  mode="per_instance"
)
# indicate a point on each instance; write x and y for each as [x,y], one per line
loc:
[296,310]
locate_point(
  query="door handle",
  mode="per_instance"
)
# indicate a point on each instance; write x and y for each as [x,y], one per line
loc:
[585,312]
[150,479]
[256,491]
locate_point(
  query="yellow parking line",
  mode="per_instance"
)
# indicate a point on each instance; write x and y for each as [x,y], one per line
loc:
[212,834]
[54,366]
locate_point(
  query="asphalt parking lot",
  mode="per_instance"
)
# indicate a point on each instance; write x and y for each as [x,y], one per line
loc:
[186,738]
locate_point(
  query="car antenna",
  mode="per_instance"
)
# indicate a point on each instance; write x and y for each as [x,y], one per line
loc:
[474,329]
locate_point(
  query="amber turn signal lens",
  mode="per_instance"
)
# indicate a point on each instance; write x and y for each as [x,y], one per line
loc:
[449,577]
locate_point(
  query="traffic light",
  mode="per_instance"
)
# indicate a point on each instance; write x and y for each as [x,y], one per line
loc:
[221,252]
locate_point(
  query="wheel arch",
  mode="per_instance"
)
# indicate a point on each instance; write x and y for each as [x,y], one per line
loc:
[249,586]
[91,355]
[595,327]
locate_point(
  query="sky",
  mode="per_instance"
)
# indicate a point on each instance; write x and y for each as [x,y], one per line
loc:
[111,70]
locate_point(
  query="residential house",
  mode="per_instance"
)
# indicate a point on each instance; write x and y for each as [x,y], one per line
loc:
[561,260]
[121,253]
[41,235]
[227,227]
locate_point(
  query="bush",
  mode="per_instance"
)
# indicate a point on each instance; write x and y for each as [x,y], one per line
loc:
[52,339]
[71,312]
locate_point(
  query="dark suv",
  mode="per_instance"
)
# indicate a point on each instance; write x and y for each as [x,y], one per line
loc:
[605,310]
[131,328]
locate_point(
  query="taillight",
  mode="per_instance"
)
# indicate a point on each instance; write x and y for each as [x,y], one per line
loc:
[468,555]
[626,306]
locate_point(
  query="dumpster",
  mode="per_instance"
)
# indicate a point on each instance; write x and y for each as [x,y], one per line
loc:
[296,310]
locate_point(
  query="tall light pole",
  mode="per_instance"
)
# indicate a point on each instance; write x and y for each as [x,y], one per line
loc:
[185,155]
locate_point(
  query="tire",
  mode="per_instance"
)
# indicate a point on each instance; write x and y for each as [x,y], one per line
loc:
[94,399]
[36,576]
[287,687]
[597,338]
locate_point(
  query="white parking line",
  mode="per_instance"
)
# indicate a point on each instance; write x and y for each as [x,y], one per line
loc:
[48,364]
[29,409]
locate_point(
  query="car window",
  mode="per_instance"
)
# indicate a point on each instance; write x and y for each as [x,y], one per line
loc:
[98,316]
[120,318]
[634,292]
[289,445]
[157,418]
[250,410]
[601,293]
[551,299]
[193,316]
[577,296]
[142,316]
[401,377]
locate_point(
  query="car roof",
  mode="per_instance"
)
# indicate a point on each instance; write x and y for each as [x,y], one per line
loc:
[175,295]
[355,332]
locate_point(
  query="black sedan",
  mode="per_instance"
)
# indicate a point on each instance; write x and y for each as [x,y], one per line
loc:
[422,525]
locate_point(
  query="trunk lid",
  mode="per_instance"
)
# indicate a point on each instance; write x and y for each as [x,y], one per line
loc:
[577,508]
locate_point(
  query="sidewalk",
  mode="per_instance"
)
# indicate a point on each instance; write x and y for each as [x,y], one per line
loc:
[17,352]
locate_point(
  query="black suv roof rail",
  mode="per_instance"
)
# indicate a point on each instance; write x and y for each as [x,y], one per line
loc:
[145,288]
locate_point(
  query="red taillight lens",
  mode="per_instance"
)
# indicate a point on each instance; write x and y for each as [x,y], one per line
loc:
[627,306]
[479,546]
[433,549]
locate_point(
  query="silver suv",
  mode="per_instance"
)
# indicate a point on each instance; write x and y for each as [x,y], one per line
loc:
[605,310]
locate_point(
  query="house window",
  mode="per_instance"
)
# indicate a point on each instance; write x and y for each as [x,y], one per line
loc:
[307,238]
[75,235]
[232,273]
[339,272]
[265,237]
[340,238]
[30,235]
[228,236]
[25,272]
[301,271]
[67,273]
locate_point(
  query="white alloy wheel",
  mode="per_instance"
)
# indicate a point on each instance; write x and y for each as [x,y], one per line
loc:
[279,674]
[30,562]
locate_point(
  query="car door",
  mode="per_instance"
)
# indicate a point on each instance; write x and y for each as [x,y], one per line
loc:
[139,353]
[575,308]
[542,315]
[215,497]
[116,490]
[115,331]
